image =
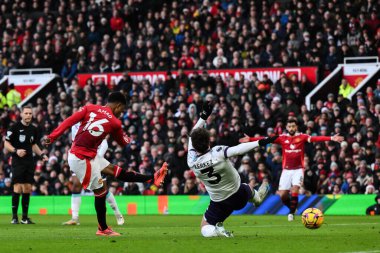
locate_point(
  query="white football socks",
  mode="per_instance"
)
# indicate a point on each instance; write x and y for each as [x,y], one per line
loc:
[76,200]
[112,202]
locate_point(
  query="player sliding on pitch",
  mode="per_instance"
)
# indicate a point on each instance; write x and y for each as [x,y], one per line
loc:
[221,179]
[96,123]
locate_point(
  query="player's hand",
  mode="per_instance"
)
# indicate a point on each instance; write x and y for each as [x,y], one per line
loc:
[246,138]
[207,109]
[46,141]
[337,138]
[45,158]
[21,152]
[267,140]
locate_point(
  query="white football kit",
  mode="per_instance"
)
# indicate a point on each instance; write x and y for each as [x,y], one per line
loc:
[215,170]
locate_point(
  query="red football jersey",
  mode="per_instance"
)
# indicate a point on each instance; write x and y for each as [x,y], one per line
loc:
[293,150]
[96,123]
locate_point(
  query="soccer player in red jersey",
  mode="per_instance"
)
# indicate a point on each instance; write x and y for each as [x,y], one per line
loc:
[96,123]
[293,152]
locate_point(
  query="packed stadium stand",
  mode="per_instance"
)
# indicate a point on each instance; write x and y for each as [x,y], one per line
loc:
[76,37]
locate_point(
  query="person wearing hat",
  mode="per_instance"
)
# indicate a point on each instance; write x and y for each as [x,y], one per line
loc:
[222,181]
[293,152]
[330,101]
[290,106]
[374,209]
[345,88]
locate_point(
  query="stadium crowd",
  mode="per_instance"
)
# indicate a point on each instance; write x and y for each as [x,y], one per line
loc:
[99,36]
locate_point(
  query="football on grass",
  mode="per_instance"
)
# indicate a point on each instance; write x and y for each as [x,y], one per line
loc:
[312,218]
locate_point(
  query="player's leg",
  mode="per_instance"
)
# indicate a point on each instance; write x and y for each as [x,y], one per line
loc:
[293,202]
[110,198]
[284,187]
[212,222]
[76,201]
[99,187]
[17,190]
[258,196]
[208,230]
[28,180]
[297,180]
[284,196]
[18,177]
[26,190]
[101,210]
[88,173]
[131,176]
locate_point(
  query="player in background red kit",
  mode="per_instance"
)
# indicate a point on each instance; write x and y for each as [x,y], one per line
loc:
[96,123]
[293,153]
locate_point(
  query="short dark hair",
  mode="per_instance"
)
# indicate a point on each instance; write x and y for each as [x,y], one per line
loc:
[200,138]
[117,97]
[26,107]
[292,121]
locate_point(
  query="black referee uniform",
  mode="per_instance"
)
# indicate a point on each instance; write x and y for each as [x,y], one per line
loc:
[22,136]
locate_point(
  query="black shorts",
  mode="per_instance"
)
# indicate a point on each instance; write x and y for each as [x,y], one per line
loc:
[219,211]
[23,173]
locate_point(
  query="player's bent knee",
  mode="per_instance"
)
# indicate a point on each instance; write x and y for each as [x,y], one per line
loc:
[208,231]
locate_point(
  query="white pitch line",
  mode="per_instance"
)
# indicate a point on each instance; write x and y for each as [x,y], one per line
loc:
[344,224]
[190,227]
[370,251]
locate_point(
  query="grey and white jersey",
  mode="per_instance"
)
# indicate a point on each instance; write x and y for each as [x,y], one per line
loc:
[214,168]
[217,173]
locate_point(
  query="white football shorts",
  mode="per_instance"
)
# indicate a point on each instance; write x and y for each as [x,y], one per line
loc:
[88,172]
[290,178]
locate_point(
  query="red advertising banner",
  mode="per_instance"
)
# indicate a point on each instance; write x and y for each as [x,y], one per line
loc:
[355,73]
[27,89]
[273,73]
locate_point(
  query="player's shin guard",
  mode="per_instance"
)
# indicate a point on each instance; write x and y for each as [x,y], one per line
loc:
[100,207]
[25,205]
[293,202]
[131,176]
[15,203]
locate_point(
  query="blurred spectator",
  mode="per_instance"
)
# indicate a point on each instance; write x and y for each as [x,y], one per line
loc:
[374,209]
[13,96]
[345,88]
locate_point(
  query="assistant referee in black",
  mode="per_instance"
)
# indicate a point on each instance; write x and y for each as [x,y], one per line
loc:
[21,142]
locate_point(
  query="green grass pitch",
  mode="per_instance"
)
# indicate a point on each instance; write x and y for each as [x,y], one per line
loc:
[182,234]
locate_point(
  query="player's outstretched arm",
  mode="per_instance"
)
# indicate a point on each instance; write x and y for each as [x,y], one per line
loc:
[205,113]
[246,147]
[66,124]
[246,138]
[335,138]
